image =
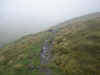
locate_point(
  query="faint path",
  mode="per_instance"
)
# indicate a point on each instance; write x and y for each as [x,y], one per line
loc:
[45,53]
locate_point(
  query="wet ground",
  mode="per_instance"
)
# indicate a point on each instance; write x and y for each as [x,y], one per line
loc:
[45,53]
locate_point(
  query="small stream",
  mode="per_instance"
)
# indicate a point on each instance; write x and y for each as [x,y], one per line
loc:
[45,53]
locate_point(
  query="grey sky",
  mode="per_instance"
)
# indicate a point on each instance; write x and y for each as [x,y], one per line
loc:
[20,17]
[44,11]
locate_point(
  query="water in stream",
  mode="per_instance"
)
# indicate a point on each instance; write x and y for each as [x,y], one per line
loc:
[45,53]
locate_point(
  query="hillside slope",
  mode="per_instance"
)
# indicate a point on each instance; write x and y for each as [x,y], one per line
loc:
[76,50]
[19,57]
[77,46]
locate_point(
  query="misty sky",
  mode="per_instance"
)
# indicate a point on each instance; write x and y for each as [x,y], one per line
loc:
[20,17]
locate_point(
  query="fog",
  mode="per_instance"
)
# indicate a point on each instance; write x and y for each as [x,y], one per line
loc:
[22,17]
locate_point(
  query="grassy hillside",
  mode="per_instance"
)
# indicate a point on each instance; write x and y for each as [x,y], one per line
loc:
[77,46]
[17,57]
[76,50]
